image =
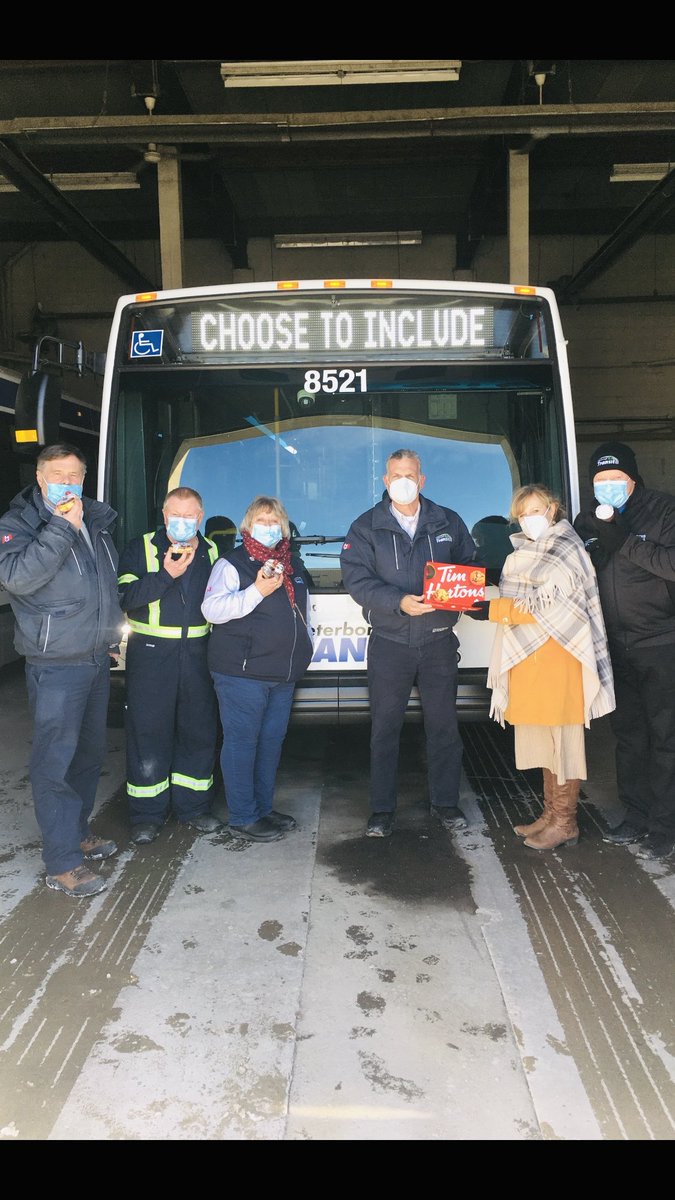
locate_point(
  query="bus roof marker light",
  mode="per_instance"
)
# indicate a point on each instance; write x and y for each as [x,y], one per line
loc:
[287,285]
[146,296]
[381,283]
[522,289]
[334,283]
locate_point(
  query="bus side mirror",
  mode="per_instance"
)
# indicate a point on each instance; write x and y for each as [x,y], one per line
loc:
[37,412]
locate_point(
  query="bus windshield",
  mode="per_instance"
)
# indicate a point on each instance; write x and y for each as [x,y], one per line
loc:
[233,434]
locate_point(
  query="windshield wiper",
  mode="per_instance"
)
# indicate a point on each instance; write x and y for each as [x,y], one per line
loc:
[316,539]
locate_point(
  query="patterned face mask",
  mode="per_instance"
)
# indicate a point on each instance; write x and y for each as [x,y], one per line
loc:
[611,491]
[57,492]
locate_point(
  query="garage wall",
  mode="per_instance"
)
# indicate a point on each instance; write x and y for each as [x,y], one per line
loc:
[621,332]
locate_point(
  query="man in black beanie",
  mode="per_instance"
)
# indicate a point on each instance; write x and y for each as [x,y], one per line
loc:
[630,537]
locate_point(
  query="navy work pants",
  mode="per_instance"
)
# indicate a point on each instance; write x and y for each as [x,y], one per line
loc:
[643,724]
[393,669]
[69,705]
[254,714]
[172,729]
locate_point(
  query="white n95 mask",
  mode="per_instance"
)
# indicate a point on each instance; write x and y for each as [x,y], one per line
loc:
[403,491]
[534,526]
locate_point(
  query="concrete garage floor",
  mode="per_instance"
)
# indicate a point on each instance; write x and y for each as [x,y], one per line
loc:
[329,987]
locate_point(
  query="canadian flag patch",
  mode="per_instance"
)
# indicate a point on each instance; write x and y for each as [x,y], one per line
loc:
[6,537]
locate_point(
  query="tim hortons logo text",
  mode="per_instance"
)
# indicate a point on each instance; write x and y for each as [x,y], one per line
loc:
[453,586]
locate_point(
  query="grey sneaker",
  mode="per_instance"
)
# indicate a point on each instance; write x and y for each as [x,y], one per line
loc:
[79,882]
[380,824]
[450,816]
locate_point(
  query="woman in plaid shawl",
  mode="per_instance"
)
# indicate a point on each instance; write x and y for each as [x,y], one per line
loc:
[550,671]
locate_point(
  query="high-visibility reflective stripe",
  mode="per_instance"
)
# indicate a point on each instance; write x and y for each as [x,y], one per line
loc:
[195,785]
[154,790]
[153,627]
[169,631]
[152,563]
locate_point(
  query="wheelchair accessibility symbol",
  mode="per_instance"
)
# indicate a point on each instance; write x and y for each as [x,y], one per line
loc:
[146,343]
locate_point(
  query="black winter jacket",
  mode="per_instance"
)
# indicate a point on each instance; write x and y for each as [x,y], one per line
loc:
[637,582]
[65,605]
[380,565]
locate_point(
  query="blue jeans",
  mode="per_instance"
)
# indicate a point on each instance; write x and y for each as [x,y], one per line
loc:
[69,705]
[392,670]
[254,714]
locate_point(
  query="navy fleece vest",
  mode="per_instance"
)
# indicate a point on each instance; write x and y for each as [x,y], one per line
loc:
[272,642]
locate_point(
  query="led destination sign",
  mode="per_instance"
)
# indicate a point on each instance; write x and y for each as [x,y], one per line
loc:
[343,331]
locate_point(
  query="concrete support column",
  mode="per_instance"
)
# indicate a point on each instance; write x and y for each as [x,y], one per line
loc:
[170,197]
[519,217]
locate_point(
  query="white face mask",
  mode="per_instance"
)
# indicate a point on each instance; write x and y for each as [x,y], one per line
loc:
[403,490]
[533,527]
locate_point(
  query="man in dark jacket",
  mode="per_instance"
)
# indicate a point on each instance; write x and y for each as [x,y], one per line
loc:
[58,564]
[631,540]
[383,559]
[172,722]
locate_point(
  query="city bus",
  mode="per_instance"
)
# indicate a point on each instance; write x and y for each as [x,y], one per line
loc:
[75,423]
[301,389]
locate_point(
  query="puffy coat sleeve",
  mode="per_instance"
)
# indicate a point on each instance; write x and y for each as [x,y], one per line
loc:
[655,552]
[504,612]
[29,560]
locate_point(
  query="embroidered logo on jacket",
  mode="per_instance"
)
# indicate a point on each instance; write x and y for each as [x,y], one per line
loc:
[444,537]
[6,537]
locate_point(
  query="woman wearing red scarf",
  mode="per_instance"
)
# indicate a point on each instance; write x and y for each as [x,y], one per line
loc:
[260,645]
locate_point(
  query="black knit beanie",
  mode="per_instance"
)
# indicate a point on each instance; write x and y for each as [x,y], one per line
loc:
[613,456]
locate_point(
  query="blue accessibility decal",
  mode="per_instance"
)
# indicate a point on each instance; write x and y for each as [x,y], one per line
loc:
[146,343]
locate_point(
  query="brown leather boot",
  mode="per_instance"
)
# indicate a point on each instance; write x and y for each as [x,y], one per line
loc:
[524,831]
[562,829]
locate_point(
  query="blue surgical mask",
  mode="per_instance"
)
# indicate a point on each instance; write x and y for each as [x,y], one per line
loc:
[56,492]
[267,535]
[611,491]
[182,529]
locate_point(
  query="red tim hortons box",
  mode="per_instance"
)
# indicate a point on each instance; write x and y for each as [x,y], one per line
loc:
[453,585]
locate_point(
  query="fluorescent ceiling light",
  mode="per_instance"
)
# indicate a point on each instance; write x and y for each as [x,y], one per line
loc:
[90,181]
[639,172]
[313,241]
[326,71]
